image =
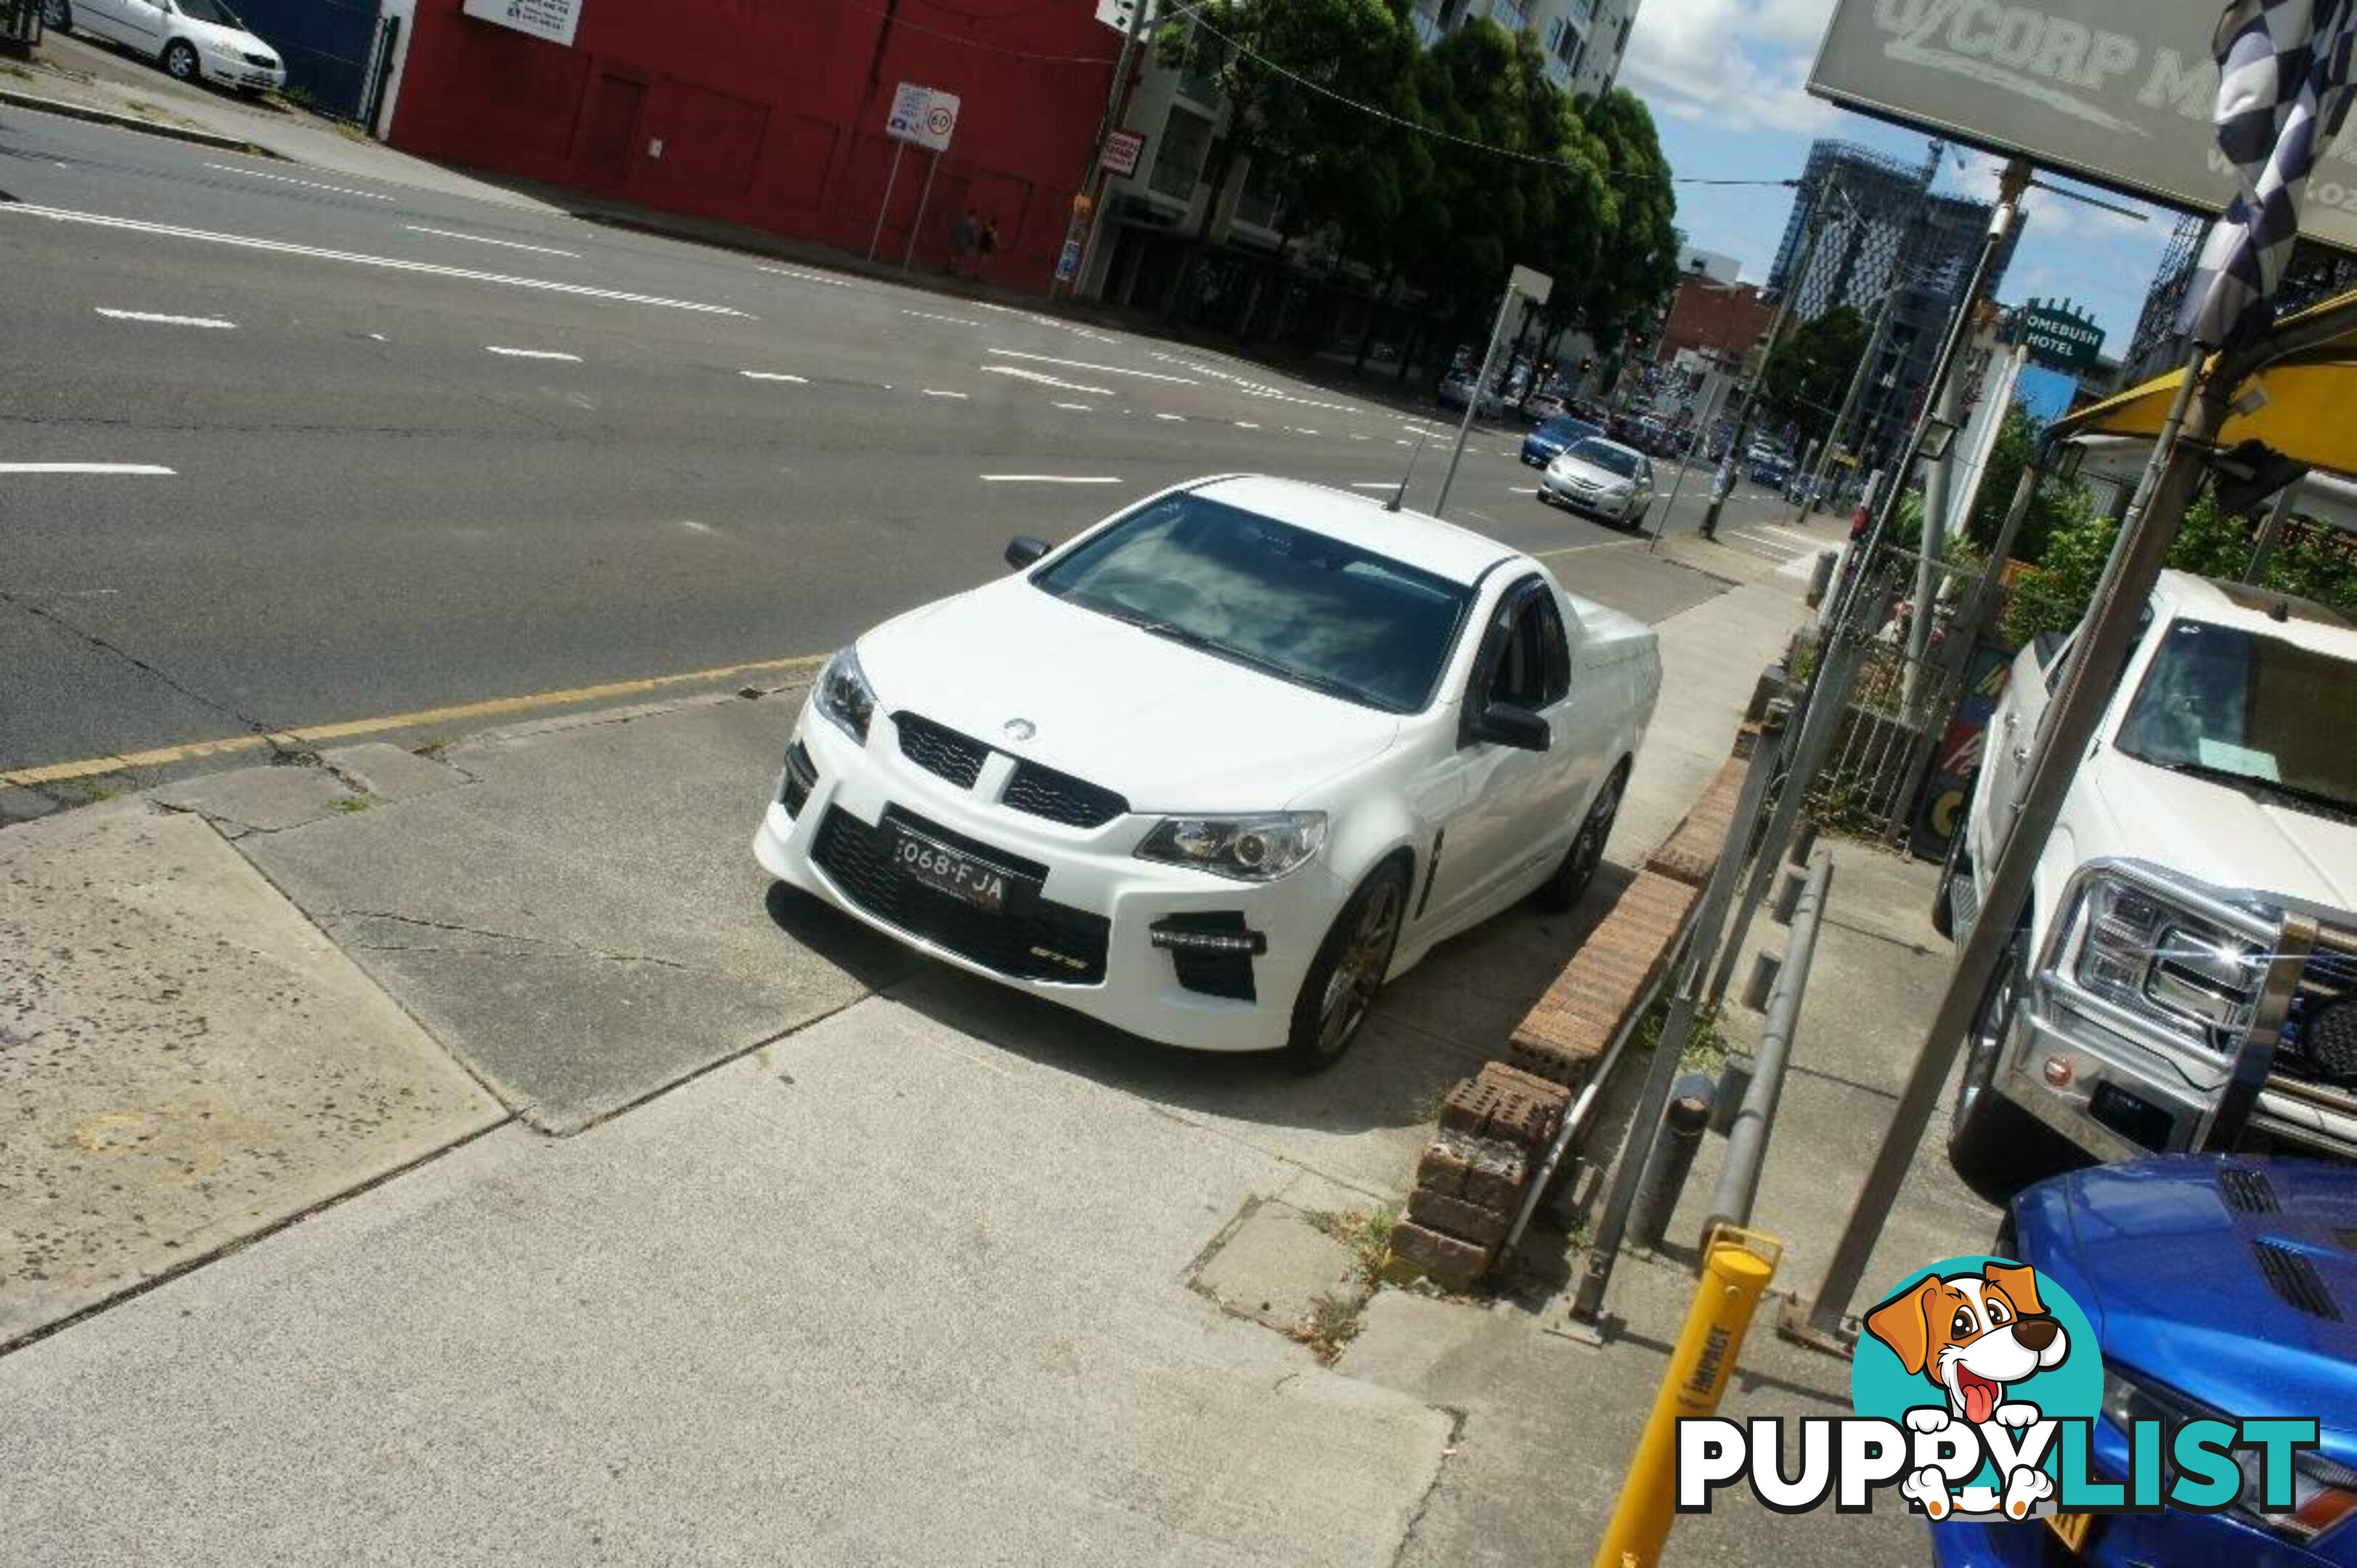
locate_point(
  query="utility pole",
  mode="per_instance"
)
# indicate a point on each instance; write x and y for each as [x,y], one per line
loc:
[1826,185]
[1080,233]
[1813,497]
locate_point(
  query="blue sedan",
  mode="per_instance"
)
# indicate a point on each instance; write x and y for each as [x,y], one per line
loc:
[2217,1286]
[1545,444]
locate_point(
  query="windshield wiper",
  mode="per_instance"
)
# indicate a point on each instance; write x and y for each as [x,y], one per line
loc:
[2293,792]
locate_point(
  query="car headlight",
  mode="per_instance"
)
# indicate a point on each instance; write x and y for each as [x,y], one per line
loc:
[843,694]
[2141,951]
[2323,1493]
[1249,849]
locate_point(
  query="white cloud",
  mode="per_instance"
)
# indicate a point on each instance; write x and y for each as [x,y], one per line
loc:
[1736,65]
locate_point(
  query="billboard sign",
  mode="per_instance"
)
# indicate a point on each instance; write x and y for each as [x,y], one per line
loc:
[2120,92]
[555,21]
[2060,335]
[924,115]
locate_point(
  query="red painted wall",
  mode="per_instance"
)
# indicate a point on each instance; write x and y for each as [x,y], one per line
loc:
[771,112]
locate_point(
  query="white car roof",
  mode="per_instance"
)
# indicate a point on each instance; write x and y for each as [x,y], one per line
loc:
[1411,538]
[2303,621]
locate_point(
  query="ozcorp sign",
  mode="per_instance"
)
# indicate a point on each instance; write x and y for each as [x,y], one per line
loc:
[2119,92]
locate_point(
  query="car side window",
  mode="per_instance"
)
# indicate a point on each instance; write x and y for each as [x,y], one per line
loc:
[1531,667]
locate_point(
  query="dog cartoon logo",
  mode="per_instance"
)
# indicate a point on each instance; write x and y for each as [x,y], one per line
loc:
[1966,1338]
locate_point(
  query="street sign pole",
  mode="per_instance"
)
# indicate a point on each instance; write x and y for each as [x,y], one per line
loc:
[885,205]
[1082,229]
[1523,284]
[918,227]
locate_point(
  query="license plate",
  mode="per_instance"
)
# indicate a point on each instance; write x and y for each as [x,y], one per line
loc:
[2073,1528]
[959,875]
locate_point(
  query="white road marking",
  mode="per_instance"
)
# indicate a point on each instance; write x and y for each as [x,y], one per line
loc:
[530,353]
[808,277]
[774,376]
[1792,534]
[1077,407]
[1085,365]
[1357,438]
[929,315]
[936,391]
[1247,425]
[1049,479]
[1784,551]
[1374,484]
[694,527]
[483,239]
[306,184]
[377,337]
[212,321]
[1173,418]
[391,264]
[1522,489]
[1045,380]
[136,469]
[1575,549]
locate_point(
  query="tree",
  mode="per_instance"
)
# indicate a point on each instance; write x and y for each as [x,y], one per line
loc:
[1806,377]
[1636,267]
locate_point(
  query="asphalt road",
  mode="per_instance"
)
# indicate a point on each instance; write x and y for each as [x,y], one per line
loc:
[335,448]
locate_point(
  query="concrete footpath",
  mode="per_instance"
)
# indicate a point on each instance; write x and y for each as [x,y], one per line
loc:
[751,1238]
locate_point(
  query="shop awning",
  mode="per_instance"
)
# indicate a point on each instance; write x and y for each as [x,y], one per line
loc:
[2310,412]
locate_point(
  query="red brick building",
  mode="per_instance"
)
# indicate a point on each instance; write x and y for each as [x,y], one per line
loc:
[1726,322]
[771,112]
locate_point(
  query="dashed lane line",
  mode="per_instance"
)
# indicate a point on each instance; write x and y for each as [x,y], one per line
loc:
[939,391]
[146,470]
[486,240]
[1044,380]
[157,318]
[1049,479]
[532,353]
[1102,370]
[306,184]
[355,258]
[774,376]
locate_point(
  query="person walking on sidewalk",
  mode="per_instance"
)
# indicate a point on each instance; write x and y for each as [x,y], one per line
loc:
[962,242]
[986,246]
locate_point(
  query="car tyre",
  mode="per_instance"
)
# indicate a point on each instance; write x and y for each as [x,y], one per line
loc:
[1561,892]
[57,16]
[180,60]
[1994,1146]
[1340,988]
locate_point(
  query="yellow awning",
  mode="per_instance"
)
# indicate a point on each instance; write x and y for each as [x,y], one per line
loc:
[2310,412]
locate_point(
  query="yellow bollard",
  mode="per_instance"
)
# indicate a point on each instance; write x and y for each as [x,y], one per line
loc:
[1735,1271]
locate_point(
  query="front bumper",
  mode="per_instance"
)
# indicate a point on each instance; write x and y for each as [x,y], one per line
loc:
[240,74]
[1592,504]
[1091,885]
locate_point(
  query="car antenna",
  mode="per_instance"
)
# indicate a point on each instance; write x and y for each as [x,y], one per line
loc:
[1400,494]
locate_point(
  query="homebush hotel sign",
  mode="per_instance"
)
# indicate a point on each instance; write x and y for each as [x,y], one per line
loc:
[2118,91]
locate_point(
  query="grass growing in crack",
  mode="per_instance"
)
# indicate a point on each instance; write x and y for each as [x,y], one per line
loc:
[1333,1322]
[1368,1235]
[11,67]
[351,803]
[1706,1048]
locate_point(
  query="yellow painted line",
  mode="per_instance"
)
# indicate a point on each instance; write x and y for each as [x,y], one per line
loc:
[346,729]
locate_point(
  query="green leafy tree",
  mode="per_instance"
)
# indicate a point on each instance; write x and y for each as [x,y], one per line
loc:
[1805,379]
[1635,270]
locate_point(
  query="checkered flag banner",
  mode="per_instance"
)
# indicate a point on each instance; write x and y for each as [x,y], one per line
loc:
[2283,90]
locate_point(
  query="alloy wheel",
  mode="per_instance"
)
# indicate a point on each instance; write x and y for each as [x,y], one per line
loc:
[181,61]
[1986,1039]
[1359,974]
[1587,850]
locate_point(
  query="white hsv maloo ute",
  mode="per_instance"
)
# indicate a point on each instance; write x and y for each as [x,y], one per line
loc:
[1214,770]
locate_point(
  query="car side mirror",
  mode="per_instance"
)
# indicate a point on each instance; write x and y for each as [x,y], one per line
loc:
[1502,724]
[1023,549]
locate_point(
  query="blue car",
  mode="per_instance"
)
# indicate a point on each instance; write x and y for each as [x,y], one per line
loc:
[2217,1286]
[1545,444]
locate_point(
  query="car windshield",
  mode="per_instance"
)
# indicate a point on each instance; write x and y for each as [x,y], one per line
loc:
[2250,710]
[1604,454]
[1567,429]
[1303,607]
[211,11]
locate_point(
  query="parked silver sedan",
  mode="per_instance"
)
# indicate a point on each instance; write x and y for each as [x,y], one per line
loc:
[1603,480]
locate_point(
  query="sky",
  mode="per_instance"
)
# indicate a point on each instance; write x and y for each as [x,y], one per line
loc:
[1726,79]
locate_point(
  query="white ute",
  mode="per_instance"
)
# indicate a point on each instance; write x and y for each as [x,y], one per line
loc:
[2219,797]
[1215,769]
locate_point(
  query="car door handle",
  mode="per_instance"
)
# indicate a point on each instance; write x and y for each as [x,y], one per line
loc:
[2020,755]
[2012,722]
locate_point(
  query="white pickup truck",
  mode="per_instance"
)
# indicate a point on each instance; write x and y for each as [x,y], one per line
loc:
[2197,896]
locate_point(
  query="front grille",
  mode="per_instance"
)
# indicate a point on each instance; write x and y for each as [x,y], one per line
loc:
[2247,1190]
[263,60]
[2295,1280]
[1061,797]
[1031,938]
[941,750]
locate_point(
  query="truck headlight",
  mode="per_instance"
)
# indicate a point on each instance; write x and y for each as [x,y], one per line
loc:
[1249,849]
[843,694]
[2324,1493]
[2144,952]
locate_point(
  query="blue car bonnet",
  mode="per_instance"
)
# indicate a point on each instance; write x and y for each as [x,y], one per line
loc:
[2231,1280]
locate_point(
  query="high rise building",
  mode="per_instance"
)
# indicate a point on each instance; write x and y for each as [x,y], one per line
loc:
[2314,274]
[1583,39]
[1881,227]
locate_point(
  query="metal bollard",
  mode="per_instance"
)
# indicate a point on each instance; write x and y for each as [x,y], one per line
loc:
[1736,1271]
[1682,1125]
[1804,843]
[1765,967]
[1788,897]
[1821,578]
